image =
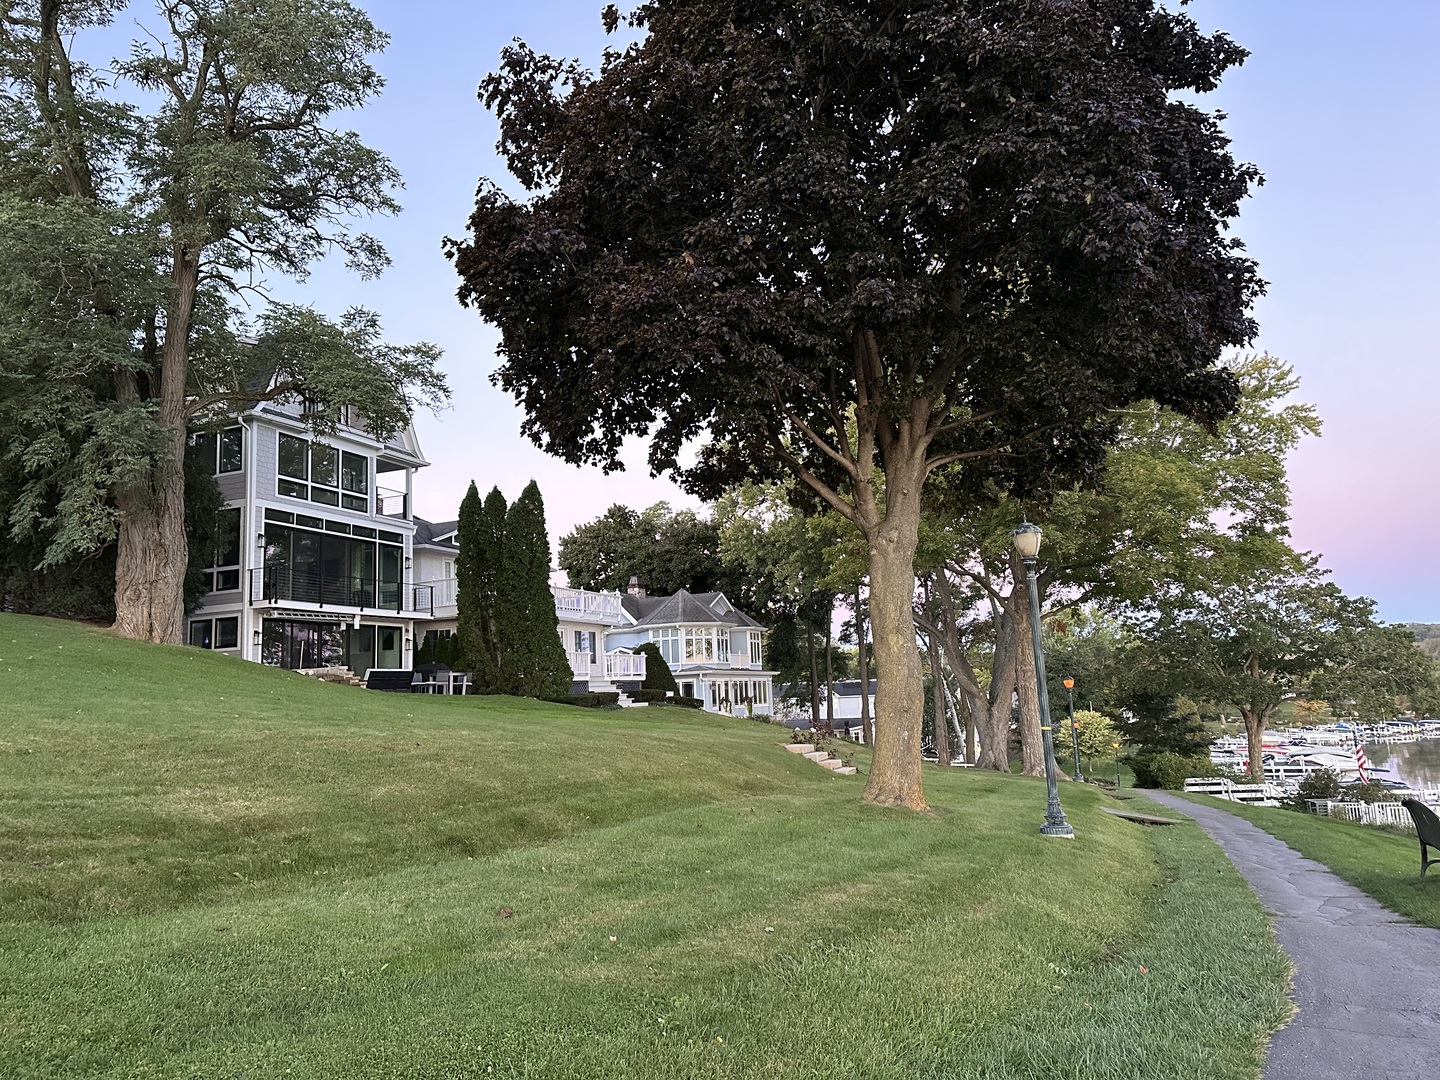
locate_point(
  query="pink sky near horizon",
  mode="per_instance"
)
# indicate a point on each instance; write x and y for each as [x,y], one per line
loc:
[1337,105]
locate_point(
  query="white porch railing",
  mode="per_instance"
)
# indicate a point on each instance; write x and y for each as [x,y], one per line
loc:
[582,603]
[624,665]
[579,663]
[1222,788]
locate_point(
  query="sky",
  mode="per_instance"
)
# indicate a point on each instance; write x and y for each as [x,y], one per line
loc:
[1337,105]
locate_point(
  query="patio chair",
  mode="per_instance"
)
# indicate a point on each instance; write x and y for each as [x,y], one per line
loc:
[1427,828]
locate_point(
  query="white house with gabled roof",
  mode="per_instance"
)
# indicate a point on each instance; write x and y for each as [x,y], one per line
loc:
[314,563]
[715,651]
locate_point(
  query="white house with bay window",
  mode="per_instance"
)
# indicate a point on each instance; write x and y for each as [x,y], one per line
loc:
[715,651]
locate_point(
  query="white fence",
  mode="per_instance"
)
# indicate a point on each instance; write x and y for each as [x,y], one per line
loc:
[1222,788]
[1378,813]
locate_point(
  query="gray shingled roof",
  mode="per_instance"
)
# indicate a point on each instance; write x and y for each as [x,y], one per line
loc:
[427,531]
[683,607]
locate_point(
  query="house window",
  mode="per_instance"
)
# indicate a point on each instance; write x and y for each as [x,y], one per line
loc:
[223,573]
[355,481]
[215,633]
[669,643]
[294,457]
[755,659]
[219,451]
[699,645]
[324,474]
[585,643]
[336,478]
[722,646]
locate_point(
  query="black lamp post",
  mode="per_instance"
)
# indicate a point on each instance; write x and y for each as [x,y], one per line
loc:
[1074,727]
[1027,544]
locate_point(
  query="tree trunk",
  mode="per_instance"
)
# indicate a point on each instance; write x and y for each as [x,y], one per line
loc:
[937,700]
[830,669]
[1032,746]
[863,663]
[1256,720]
[814,680]
[152,553]
[900,694]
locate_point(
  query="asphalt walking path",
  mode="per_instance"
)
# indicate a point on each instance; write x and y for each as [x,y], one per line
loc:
[1367,981]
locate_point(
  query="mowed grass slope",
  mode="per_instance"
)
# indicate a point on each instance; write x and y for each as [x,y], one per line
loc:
[214,870]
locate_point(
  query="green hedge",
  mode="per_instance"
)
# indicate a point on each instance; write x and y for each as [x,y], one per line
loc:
[688,702]
[1170,770]
[646,695]
[592,701]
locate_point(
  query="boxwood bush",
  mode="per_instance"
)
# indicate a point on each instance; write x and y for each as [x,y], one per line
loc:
[1169,770]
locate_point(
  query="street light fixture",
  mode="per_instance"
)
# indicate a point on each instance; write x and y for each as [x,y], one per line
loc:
[1074,727]
[1027,545]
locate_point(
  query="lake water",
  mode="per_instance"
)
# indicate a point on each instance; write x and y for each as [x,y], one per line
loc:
[1416,763]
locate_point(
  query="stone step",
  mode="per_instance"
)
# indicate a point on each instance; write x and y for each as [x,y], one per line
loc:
[800,747]
[831,763]
[817,755]
[845,770]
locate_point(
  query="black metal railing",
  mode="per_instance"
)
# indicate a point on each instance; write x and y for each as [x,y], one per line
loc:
[277,584]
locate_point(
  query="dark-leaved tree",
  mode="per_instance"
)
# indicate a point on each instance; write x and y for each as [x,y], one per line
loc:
[860,241]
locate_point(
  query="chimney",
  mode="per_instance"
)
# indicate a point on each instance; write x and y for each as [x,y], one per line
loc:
[636,589]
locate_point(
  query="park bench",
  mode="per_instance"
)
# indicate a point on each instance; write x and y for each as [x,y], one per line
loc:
[394,680]
[1427,827]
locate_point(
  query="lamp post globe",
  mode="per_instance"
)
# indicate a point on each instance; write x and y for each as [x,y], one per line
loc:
[1027,545]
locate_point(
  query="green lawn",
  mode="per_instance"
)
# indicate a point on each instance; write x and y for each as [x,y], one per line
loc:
[208,869]
[1377,861]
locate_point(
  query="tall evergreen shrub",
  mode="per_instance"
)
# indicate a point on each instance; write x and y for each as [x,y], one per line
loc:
[533,658]
[489,556]
[468,588]
[658,675]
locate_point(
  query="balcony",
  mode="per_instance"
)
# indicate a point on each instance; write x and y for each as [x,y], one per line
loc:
[392,504]
[284,585]
[586,605]
[611,666]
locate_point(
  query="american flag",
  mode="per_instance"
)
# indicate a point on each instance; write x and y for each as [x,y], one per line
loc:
[1361,765]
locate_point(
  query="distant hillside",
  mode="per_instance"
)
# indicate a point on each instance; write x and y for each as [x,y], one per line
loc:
[1427,636]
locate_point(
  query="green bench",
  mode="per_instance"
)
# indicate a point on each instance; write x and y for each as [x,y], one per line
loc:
[1427,827]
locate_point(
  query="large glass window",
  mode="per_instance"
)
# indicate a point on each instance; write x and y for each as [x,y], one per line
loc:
[699,645]
[294,467]
[669,644]
[354,481]
[323,474]
[215,633]
[223,572]
[722,646]
[220,452]
[755,657]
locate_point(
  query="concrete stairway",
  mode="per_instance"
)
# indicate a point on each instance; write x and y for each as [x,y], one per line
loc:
[821,758]
[341,675]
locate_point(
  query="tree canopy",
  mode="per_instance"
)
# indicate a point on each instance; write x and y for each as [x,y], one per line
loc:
[133,230]
[860,242]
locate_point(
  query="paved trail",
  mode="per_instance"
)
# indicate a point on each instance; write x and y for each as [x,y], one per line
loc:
[1367,981]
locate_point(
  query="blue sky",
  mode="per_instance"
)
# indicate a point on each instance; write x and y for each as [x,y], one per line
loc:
[1338,105]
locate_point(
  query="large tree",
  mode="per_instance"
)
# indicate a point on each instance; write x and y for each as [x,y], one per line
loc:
[860,241]
[130,231]
[666,549]
[1280,631]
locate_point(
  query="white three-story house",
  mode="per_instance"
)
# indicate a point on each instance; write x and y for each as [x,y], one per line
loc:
[314,565]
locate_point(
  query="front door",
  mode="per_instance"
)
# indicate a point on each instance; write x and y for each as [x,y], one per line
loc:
[387,646]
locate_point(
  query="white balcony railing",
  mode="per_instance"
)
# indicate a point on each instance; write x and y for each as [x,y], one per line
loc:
[624,665]
[444,591]
[580,664]
[584,604]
